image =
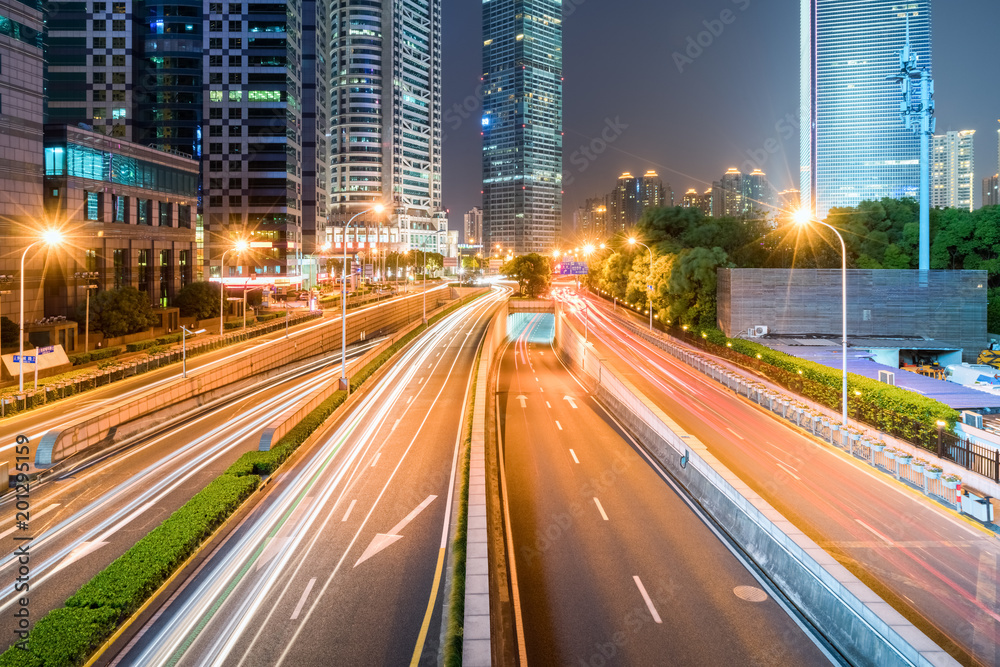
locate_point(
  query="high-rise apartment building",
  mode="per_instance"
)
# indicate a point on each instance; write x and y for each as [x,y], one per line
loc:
[653,193]
[758,195]
[595,219]
[953,170]
[386,124]
[991,190]
[474,226]
[854,144]
[522,123]
[624,204]
[728,197]
[690,199]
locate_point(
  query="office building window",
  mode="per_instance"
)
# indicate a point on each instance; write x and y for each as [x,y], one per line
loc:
[93,208]
[119,262]
[142,212]
[166,213]
[143,270]
[120,208]
[184,216]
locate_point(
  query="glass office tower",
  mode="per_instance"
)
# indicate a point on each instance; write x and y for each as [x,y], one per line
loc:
[854,145]
[522,124]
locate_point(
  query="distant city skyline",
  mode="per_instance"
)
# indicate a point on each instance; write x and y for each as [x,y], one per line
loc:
[748,89]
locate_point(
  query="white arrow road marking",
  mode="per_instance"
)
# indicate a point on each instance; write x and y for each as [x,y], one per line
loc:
[34,515]
[572,401]
[523,399]
[84,549]
[382,540]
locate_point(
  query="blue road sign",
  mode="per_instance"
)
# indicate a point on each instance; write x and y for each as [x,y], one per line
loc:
[27,359]
[573,269]
[48,349]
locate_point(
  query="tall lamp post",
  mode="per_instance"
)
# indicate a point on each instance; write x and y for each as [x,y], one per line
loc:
[239,247]
[804,217]
[345,384]
[49,238]
[649,291]
[88,276]
[184,359]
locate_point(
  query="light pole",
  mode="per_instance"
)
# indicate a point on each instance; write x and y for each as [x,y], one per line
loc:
[804,217]
[344,382]
[184,334]
[91,275]
[239,247]
[50,238]
[649,286]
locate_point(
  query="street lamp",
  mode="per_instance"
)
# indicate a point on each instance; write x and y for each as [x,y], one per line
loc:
[804,217]
[50,237]
[238,247]
[184,334]
[91,275]
[344,382]
[649,286]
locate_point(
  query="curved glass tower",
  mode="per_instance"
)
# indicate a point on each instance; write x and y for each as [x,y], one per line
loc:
[855,146]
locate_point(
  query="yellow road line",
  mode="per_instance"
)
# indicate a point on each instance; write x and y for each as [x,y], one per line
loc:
[422,637]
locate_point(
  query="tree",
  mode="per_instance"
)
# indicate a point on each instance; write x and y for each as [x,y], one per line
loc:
[9,332]
[121,312]
[199,300]
[532,273]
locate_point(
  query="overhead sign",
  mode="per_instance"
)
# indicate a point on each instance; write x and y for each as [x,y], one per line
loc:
[573,269]
[369,270]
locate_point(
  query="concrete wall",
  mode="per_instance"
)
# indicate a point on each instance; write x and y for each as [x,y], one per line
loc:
[950,306]
[859,623]
[317,340]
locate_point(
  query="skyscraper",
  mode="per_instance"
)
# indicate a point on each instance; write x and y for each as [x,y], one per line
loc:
[624,205]
[854,144]
[953,170]
[728,197]
[474,226]
[991,190]
[522,123]
[653,193]
[386,124]
[758,195]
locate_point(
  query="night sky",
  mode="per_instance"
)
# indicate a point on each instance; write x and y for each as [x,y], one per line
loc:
[692,125]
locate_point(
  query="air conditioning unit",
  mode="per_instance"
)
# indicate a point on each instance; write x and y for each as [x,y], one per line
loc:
[888,377]
[759,331]
[972,419]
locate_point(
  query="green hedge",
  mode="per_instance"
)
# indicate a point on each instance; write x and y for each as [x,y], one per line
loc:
[268,316]
[95,355]
[826,383]
[168,339]
[140,345]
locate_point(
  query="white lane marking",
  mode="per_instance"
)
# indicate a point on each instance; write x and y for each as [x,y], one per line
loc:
[541,390]
[600,508]
[420,381]
[649,602]
[559,426]
[875,532]
[375,460]
[789,469]
[430,366]
[547,404]
[537,380]
[734,433]
[33,516]
[349,508]
[438,354]
[302,600]
[408,399]
[574,456]
[394,426]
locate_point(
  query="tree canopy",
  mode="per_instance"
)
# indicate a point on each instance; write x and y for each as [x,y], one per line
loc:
[200,300]
[532,272]
[121,312]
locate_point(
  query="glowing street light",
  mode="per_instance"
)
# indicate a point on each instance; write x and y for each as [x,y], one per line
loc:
[804,218]
[50,237]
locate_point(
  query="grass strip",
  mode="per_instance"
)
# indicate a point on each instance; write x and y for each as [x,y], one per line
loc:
[66,637]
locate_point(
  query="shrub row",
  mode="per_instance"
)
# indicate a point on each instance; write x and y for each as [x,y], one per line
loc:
[238,324]
[96,355]
[874,394]
[66,637]
[267,317]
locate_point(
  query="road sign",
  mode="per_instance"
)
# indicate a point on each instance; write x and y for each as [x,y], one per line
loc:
[573,269]
[369,270]
[27,359]
[496,263]
[451,262]
[46,350]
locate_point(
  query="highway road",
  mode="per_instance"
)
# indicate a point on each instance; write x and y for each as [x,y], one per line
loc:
[613,566]
[35,423]
[935,568]
[342,562]
[91,513]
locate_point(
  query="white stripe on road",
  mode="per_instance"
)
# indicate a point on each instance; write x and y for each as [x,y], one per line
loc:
[649,602]
[409,398]
[734,433]
[349,508]
[875,532]
[302,600]
[574,456]
[375,460]
[558,426]
[420,381]
[394,425]
[547,404]
[600,508]
[789,469]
